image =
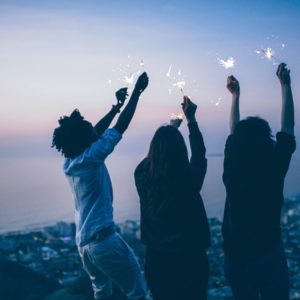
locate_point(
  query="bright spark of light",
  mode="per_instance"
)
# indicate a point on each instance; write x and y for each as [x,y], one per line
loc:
[179,72]
[218,101]
[177,116]
[227,64]
[109,81]
[179,84]
[168,74]
[268,53]
[129,80]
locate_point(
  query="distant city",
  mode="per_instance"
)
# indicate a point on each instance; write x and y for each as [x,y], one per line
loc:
[51,251]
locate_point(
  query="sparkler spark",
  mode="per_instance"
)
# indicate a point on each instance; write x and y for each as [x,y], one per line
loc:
[176,119]
[129,80]
[179,84]
[177,116]
[169,71]
[218,101]
[227,64]
[268,53]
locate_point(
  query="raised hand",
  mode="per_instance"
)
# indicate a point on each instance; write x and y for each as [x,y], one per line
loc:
[283,74]
[189,109]
[142,82]
[121,95]
[233,85]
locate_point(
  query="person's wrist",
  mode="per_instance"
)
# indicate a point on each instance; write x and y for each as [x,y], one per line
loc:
[236,94]
[116,108]
[191,119]
[137,91]
[285,84]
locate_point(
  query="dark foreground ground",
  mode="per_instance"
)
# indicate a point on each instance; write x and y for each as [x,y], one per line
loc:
[44,265]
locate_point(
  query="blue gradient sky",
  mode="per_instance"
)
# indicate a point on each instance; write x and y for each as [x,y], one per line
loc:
[59,55]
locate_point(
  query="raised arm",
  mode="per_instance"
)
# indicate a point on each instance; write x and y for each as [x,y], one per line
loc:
[287,112]
[234,88]
[104,123]
[198,160]
[128,112]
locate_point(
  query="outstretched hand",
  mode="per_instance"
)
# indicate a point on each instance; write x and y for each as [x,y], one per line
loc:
[283,73]
[142,82]
[121,95]
[189,109]
[233,85]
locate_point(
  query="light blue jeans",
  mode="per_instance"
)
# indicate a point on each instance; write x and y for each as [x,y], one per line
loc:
[113,261]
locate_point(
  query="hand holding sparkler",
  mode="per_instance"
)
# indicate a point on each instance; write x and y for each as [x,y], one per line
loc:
[283,74]
[141,83]
[189,109]
[233,85]
[176,120]
[121,95]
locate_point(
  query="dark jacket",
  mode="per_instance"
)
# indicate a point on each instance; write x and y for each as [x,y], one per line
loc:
[180,221]
[254,198]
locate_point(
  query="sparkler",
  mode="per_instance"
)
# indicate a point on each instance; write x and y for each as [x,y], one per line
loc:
[176,119]
[177,78]
[269,54]
[180,85]
[169,71]
[128,71]
[129,80]
[227,64]
[217,102]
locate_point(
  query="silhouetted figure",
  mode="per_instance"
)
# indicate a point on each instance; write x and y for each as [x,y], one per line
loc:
[255,166]
[105,256]
[174,225]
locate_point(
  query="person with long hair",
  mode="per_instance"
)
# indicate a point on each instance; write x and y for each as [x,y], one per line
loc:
[105,256]
[255,165]
[174,224]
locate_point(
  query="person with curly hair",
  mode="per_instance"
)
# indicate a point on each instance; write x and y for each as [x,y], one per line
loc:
[106,257]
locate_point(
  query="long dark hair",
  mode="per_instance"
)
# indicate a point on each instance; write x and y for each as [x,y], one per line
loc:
[167,166]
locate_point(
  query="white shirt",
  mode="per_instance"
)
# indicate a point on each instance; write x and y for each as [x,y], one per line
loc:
[91,186]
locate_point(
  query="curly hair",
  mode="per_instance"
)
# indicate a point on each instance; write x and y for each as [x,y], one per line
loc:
[73,135]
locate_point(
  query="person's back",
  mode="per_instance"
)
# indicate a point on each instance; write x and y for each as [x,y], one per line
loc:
[254,170]
[105,256]
[254,180]
[174,224]
[91,187]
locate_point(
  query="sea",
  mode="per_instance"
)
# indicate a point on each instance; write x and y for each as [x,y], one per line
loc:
[34,192]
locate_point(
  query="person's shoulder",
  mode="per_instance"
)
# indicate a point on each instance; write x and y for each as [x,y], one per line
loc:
[140,168]
[284,139]
[111,132]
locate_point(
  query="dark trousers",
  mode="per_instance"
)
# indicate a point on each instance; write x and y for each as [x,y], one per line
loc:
[177,276]
[265,278]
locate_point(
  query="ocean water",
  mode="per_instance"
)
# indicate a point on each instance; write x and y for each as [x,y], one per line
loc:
[34,192]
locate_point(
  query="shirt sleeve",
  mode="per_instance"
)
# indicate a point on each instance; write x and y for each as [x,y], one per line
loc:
[104,145]
[198,160]
[284,148]
[228,160]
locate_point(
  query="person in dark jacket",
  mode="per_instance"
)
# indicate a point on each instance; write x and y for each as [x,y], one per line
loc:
[174,224]
[255,166]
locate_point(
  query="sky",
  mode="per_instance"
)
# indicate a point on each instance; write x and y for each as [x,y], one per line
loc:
[59,55]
